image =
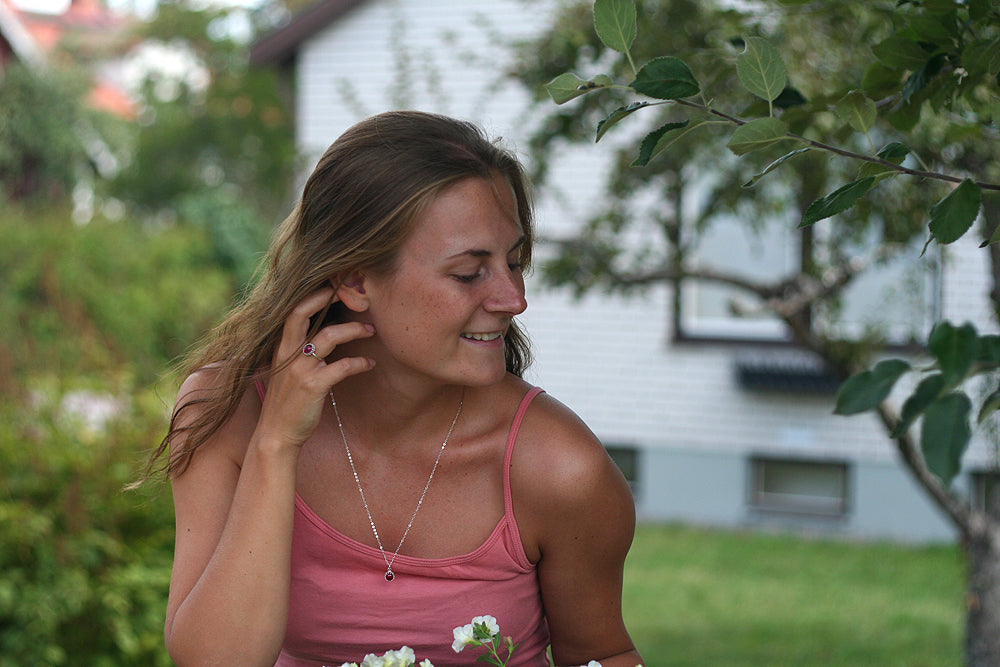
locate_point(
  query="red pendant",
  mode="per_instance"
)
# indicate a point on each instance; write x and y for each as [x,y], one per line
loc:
[389,576]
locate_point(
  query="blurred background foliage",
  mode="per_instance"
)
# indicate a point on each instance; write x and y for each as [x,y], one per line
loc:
[91,317]
[123,239]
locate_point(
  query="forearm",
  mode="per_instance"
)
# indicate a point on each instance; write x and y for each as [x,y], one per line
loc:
[237,611]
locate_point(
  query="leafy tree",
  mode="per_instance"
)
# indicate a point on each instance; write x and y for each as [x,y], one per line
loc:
[924,106]
[72,304]
[41,154]
[214,144]
[88,329]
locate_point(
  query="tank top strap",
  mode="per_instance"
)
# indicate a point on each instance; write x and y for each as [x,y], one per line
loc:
[515,426]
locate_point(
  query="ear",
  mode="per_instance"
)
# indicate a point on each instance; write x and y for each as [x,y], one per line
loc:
[351,291]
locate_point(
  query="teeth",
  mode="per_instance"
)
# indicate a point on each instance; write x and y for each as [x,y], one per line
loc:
[482,336]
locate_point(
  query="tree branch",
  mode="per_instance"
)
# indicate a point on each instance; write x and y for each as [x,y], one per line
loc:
[961,513]
[844,152]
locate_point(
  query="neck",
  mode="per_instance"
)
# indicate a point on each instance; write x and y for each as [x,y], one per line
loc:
[386,412]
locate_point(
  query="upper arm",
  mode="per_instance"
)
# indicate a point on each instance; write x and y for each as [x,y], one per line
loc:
[580,516]
[202,494]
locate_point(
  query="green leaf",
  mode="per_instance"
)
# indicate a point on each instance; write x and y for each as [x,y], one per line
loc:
[988,351]
[879,80]
[867,389]
[938,28]
[952,216]
[761,69]
[919,79]
[615,116]
[666,78]
[994,238]
[615,22]
[989,406]
[565,87]
[945,435]
[939,6]
[856,110]
[900,53]
[756,134]
[839,200]
[905,117]
[656,142]
[955,349]
[894,152]
[979,9]
[774,165]
[982,57]
[926,393]
[486,657]
[568,86]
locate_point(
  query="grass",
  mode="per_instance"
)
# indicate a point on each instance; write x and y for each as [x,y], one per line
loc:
[696,597]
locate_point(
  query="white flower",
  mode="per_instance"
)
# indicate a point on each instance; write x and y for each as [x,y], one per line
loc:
[404,657]
[426,663]
[488,623]
[594,663]
[372,660]
[464,636]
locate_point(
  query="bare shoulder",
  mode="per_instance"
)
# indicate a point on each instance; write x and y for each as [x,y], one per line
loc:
[559,454]
[231,439]
[564,480]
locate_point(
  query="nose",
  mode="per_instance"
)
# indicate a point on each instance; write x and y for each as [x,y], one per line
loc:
[507,293]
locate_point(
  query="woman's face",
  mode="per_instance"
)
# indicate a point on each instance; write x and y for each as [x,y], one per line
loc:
[457,284]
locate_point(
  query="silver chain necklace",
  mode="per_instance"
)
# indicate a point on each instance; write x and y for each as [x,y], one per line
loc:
[389,575]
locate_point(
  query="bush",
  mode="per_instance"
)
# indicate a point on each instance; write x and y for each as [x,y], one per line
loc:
[92,315]
[100,298]
[84,566]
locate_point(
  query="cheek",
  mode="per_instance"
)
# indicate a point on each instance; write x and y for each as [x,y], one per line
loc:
[418,314]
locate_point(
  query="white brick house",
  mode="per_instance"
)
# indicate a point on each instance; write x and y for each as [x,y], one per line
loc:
[702,441]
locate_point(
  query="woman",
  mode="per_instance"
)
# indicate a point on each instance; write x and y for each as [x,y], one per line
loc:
[356,464]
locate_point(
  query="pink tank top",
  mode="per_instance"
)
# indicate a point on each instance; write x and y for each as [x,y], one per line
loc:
[342,608]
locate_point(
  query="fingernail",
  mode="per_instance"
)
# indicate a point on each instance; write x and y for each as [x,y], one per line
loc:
[371,363]
[370,327]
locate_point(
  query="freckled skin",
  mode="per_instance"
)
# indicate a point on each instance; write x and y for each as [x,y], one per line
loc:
[457,273]
[438,323]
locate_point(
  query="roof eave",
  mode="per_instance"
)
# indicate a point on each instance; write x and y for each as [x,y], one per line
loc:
[280,45]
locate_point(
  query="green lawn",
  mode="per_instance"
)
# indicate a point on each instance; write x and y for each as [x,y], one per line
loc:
[724,599]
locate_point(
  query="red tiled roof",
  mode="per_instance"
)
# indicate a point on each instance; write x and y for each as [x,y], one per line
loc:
[86,20]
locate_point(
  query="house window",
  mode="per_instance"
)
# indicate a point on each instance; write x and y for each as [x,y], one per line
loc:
[706,307]
[898,296]
[800,486]
[985,491]
[627,460]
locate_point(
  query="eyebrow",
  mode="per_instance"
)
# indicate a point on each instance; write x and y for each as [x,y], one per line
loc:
[478,252]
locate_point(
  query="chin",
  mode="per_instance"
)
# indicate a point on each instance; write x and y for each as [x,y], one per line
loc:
[484,377]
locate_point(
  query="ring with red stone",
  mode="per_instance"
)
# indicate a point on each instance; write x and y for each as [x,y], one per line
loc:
[310,350]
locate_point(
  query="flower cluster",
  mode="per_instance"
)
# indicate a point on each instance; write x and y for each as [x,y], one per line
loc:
[484,631]
[404,657]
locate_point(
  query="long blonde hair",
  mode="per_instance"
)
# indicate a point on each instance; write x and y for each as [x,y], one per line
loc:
[356,211]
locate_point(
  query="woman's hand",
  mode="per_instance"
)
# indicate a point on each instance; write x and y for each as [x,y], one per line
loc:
[296,393]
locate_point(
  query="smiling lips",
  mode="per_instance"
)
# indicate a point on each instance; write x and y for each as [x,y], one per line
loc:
[483,336]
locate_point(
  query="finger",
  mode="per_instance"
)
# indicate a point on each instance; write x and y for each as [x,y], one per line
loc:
[346,367]
[328,338]
[296,325]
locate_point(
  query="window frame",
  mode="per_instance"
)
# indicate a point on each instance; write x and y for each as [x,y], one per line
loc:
[761,501]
